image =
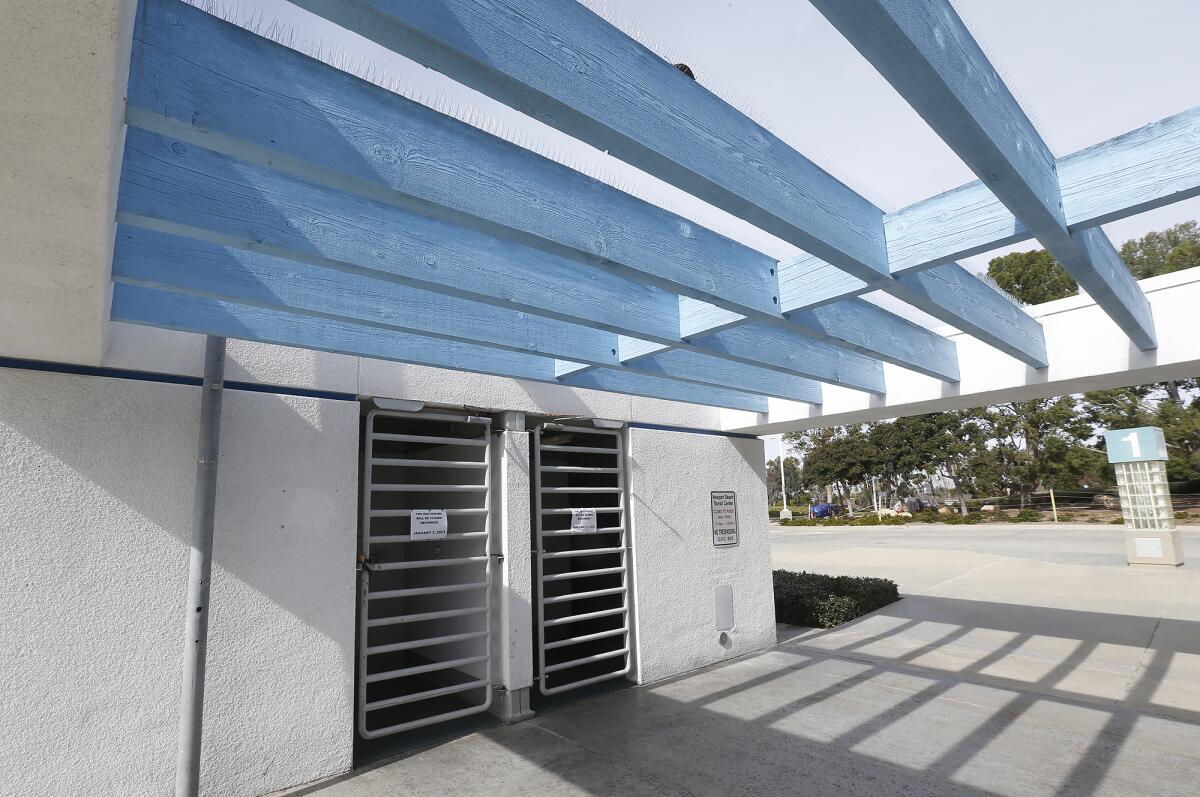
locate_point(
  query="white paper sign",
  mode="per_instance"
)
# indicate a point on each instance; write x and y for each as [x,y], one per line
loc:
[428,524]
[724,518]
[1148,547]
[583,520]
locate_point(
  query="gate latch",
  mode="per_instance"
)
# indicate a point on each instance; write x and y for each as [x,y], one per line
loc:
[363,561]
[499,557]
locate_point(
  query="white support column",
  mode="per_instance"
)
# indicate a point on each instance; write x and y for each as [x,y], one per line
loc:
[512,590]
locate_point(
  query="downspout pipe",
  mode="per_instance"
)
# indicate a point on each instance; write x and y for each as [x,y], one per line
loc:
[191,710]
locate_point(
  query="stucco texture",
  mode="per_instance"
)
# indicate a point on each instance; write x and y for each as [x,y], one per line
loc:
[512,590]
[65,66]
[676,566]
[96,487]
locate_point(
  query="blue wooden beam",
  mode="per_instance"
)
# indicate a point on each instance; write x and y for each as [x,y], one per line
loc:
[192,192]
[561,64]
[199,268]
[951,294]
[757,342]
[148,306]
[853,324]
[688,366]
[926,52]
[187,191]
[947,292]
[193,76]
[558,62]
[1146,168]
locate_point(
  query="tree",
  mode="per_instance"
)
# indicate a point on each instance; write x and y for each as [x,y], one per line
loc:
[951,445]
[840,457]
[1173,249]
[791,475]
[1032,277]
[1171,405]
[1040,443]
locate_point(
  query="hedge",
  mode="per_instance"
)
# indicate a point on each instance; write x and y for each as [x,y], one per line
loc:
[1024,516]
[814,600]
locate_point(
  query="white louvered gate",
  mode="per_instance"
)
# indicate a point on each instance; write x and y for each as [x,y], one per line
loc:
[582,567]
[424,602]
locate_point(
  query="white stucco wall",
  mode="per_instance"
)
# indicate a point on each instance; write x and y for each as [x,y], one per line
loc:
[65,68]
[96,481]
[676,567]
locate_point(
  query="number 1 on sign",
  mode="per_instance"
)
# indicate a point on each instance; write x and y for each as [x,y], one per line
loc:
[1135,446]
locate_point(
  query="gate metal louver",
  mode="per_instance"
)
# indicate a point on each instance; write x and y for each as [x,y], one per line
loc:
[424,603]
[582,566]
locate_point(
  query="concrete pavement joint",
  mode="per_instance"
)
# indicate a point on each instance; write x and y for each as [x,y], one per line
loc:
[964,575]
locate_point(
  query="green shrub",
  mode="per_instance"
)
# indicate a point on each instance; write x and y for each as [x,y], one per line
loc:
[1120,521]
[962,520]
[819,601]
[835,610]
[1027,516]
[872,519]
[867,519]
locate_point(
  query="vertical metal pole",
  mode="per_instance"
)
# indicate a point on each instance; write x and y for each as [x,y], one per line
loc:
[1053,506]
[782,481]
[187,767]
[784,513]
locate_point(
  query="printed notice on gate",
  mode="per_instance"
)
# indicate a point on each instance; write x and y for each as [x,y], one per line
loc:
[724,517]
[428,524]
[583,520]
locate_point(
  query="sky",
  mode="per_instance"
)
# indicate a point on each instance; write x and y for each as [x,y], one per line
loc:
[1084,71]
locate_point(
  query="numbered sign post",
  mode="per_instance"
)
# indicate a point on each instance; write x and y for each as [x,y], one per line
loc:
[1139,457]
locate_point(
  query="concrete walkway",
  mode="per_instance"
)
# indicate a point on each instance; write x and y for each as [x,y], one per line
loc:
[1024,662]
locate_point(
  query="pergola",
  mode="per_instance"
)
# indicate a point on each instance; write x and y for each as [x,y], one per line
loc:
[269,196]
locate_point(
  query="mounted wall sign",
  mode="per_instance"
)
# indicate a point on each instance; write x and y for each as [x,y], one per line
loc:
[428,524]
[724,518]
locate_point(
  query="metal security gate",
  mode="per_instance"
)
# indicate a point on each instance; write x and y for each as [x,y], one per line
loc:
[581,555]
[424,595]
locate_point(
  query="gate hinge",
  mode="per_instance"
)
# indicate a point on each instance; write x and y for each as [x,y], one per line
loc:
[499,557]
